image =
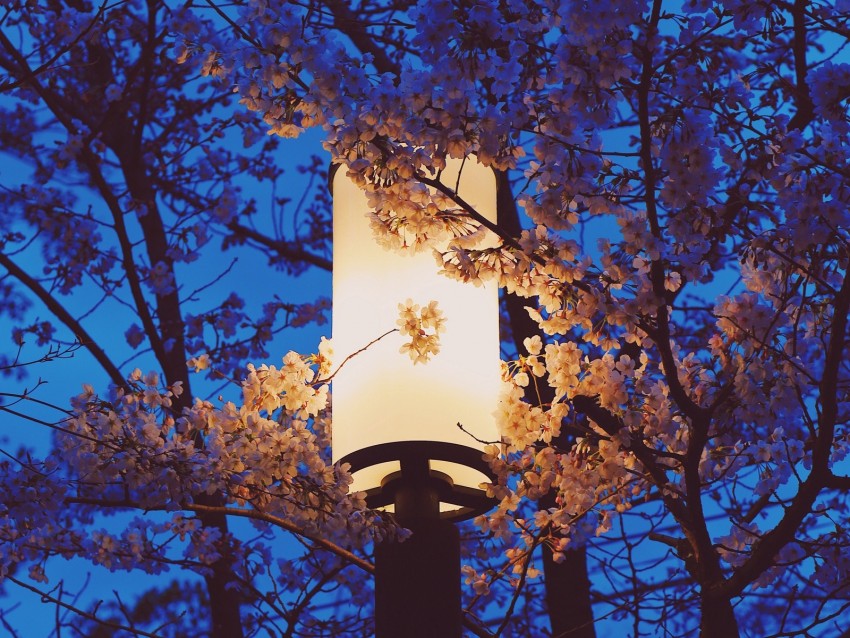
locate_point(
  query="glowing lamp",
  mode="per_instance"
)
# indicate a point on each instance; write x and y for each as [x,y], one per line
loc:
[397,423]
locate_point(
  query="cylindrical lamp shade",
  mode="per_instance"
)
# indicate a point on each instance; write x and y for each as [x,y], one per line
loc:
[388,412]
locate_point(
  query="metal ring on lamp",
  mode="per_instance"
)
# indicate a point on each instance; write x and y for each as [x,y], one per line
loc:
[470,501]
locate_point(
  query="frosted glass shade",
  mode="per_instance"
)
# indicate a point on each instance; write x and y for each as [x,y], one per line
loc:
[384,406]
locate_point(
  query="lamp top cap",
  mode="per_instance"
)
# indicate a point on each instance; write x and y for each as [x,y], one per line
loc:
[333,167]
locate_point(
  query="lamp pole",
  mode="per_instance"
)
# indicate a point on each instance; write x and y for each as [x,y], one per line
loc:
[417,582]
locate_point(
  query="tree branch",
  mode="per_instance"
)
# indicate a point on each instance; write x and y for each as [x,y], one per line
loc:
[46,597]
[347,22]
[46,66]
[837,482]
[243,513]
[283,248]
[66,318]
[805,110]
[820,476]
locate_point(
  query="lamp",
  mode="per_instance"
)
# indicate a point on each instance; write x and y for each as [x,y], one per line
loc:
[391,417]
[396,423]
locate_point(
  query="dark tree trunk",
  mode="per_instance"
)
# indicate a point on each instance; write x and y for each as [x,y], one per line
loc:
[718,617]
[567,582]
[224,599]
[568,594]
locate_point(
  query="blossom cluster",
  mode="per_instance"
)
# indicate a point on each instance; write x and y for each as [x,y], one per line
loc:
[268,456]
[423,326]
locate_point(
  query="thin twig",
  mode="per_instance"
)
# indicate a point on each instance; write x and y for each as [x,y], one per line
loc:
[47,598]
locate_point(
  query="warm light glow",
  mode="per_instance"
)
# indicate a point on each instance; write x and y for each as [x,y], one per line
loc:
[380,396]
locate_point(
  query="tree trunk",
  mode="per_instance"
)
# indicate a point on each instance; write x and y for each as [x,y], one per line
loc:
[224,600]
[568,594]
[718,617]
[567,582]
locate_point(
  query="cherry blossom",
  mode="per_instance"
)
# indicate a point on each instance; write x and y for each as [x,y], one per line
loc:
[675,273]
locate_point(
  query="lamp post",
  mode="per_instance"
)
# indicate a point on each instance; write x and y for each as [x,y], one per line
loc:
[397,423]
